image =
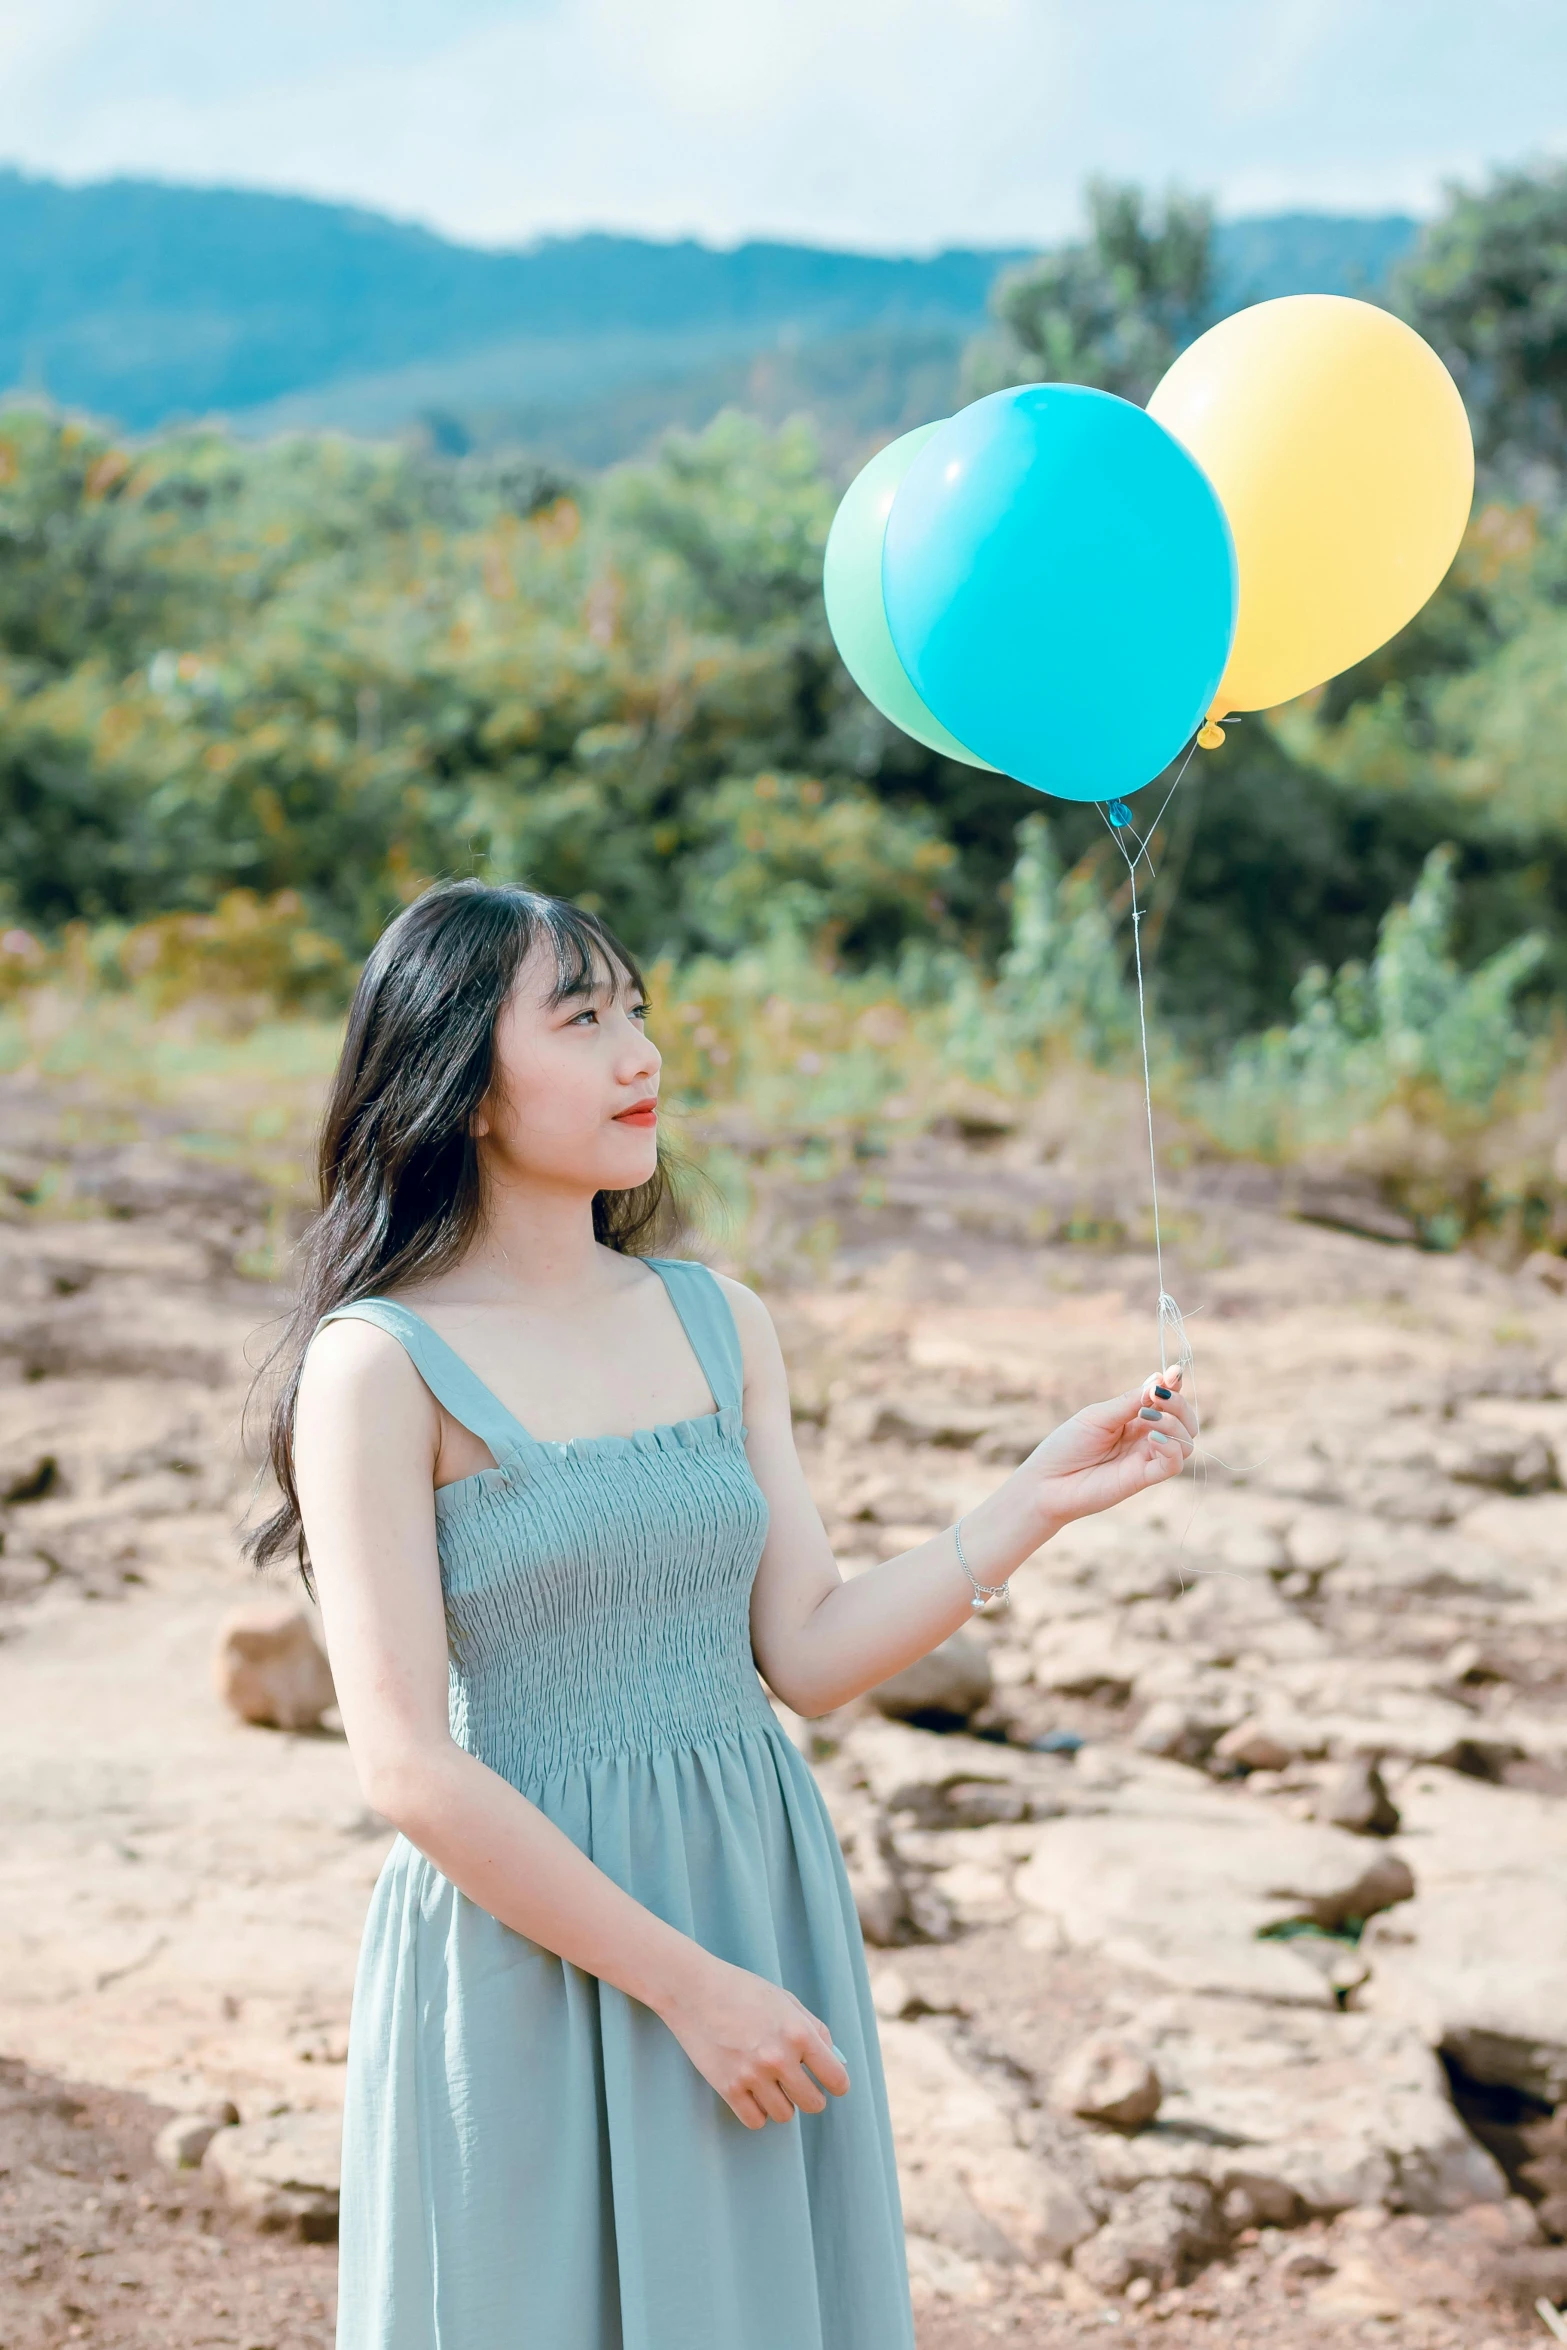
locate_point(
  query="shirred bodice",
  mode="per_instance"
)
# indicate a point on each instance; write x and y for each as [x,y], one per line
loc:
[597,1592]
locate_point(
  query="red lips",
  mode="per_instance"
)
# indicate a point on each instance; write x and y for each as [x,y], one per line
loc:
[640,1114]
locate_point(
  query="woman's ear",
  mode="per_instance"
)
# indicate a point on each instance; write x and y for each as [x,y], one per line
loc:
[479,1123]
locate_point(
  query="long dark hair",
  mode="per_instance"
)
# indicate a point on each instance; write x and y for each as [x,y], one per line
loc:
[400,1194]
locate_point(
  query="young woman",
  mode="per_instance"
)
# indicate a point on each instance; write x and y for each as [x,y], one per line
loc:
[613,2078]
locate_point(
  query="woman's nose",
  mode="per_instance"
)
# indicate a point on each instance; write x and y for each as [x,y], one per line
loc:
[640,1054]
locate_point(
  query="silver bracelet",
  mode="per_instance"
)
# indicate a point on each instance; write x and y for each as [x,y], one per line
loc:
[984,1593]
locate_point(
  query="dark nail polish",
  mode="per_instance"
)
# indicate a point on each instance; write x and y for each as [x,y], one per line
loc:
[1164,1392]
[1148,1413]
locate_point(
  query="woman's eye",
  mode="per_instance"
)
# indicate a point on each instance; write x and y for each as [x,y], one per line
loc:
[589,1014]
[640,1011]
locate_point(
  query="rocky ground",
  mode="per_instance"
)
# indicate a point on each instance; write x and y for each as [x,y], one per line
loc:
[1217,1890]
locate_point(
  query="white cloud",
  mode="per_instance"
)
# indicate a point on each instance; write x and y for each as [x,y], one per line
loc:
[895,123]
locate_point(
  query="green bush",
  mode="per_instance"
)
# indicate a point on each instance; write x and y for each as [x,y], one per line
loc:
[1410,1026]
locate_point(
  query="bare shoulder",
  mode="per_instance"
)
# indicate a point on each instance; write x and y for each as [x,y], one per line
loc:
[758,1338]
[354,1366]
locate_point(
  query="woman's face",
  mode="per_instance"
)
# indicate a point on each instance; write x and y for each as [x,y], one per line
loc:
[572,1105]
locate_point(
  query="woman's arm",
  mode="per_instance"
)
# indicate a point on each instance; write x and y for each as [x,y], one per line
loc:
[367,1435]
[819,1640]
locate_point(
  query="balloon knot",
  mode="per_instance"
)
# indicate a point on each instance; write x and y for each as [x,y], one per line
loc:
[1211,735]
[1119,813]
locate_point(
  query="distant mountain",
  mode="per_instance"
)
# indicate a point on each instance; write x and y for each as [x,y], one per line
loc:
[145,303]
[1309,253]
[140,301]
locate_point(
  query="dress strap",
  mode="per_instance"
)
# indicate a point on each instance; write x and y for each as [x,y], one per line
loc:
[458,1389]
[709,1323]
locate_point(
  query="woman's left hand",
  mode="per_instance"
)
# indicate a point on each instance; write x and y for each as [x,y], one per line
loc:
[1110,1450]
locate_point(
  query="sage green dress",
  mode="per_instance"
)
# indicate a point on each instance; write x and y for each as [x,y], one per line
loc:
[530,2159]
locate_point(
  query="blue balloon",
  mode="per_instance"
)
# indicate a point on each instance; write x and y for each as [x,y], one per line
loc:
[1060,585]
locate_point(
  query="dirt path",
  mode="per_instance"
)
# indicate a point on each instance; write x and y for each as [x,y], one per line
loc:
[99,2244]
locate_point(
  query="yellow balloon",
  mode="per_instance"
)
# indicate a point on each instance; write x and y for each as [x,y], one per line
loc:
[1340,451]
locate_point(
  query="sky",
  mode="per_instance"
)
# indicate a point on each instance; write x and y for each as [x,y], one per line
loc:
[891,125]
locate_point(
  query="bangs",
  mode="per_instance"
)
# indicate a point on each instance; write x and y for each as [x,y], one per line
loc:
[588,955]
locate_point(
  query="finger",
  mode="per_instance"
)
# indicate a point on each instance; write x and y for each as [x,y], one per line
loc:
[801,2090]
[772,2098]
[1164,1457]
[1172,1431]
[825,2062]
[1174,1405]
[745,2108]
[1174,1414]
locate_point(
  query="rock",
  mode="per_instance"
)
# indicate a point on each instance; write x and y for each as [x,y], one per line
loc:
[1091,1656]
[1252,1746]
[1553,2218]
[1530,2276]
[1550,1270]
[1182,1887]
[1163,2230]
[880,1419]
[880,1896]
[1225,1617]
[1299,2111]
[949,1684]
[891,1994]
[1320,1539]
[1405,1724]
[1037,2209]
[143,1334]
[1175,1731]
[1210,1694]
[1356,1799]
[1081,2297]
[1299,2264]
[27,1473]
[1259,2203]
[1010,1441]
[1468,1662]
[1441,2268]
[1474,1961]
[270,1668]
[1108,2078]
[939,2274]
[1544,2170]
[1253,1550]
[1350,1203]
[25,1572]
[283,2174]
[1506,1460]
[948,1781]
[182,2142]
[1102,1768]
[144,1179]
[976,1890]
[966,2181]
[21,1174]
[1359,2287]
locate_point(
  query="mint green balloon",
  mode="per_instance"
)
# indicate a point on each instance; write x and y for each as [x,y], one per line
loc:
[851,583]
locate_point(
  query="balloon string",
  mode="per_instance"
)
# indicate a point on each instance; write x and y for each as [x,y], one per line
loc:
[1174,1342]
[1172,1329]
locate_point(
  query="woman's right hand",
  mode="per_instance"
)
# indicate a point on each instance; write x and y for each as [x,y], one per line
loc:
[752,2042]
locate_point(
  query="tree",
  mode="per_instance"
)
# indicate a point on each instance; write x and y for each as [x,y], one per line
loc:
[1112,310]
[1487,285]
